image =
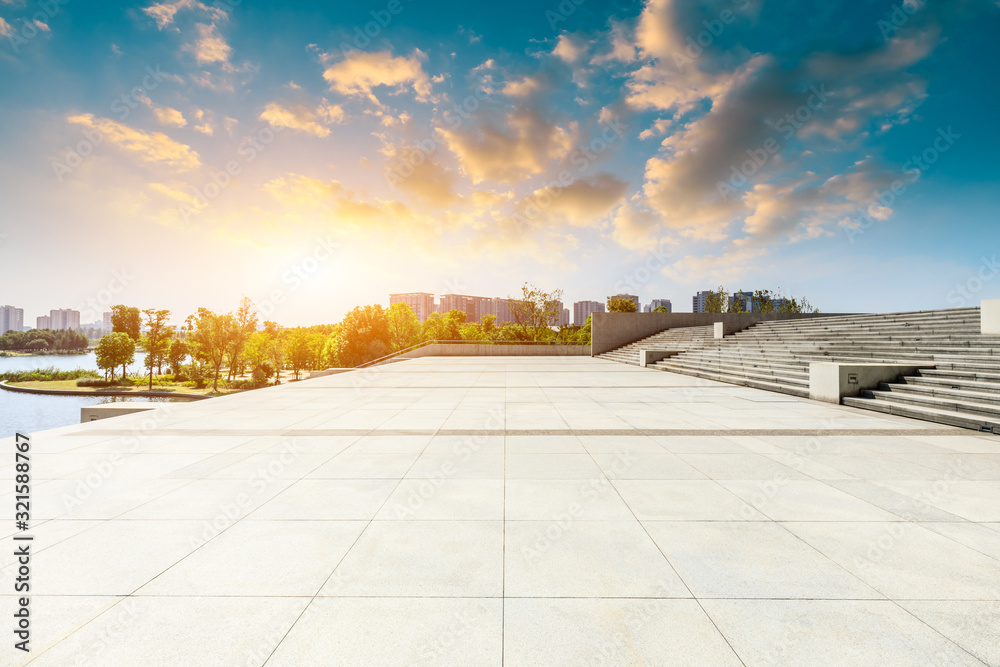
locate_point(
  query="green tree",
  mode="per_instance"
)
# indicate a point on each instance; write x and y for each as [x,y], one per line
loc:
[364,335]
[621,304]
[404,327]
[244,324]
[661,309]
[212,335]
[717,301]
[764,301]
[300,350]
[444,327]
[126,319]
[156,340]
[178,352]
[536,310]
[262,354]
[114,350]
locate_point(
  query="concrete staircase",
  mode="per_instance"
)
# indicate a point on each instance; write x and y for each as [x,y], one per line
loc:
[684,338]
[963,389]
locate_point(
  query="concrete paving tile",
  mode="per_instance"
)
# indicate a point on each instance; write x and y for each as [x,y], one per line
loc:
[445,499]
[423,558]
[395,631]
[830,632]
[905,560]
[568,557]
[552,631]
[684,500]
[547,499]
[328,500]
[803,500]
[170,631]
[298,557]
[751,560]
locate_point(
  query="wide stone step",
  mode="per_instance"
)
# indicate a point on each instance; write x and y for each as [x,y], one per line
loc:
[761,374]
[905,386]
[991,409]
[960,374]
[951,418]
[954,383]
[737,380]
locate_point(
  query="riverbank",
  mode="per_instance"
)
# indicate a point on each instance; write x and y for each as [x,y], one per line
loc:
[69,388]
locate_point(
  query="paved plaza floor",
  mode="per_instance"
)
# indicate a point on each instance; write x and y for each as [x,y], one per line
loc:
[508,510]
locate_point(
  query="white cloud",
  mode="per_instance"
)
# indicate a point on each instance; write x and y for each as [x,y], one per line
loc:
[304,119]
[360,72]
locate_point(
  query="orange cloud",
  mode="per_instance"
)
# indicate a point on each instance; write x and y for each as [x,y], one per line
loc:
[148,146]
[311,121]
[360,72]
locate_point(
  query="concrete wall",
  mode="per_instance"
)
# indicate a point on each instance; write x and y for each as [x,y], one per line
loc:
[830,382]
[473,350]
[990,312]
[94,412]
[611,330]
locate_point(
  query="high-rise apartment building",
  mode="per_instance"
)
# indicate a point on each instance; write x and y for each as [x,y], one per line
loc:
[656,303]
[583,309]
[500,308]
[106,324]
[11,319]
[698,301]
[421,303]
[564,317]
[43,322]
[64,318]
[474,307]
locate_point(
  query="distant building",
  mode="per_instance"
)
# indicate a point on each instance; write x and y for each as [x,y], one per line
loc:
[43,322]
[745,299]
[11,319]
[474,307]
[421,303]
[656,303]
[583,309]
[631,297]
[698,302]
[107,323]
[64,318]
[564,317]
[500,308]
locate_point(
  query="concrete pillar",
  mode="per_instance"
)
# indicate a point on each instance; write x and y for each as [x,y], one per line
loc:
[720,329]
[990,314]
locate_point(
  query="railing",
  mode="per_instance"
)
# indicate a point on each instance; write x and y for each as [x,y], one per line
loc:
[425,343]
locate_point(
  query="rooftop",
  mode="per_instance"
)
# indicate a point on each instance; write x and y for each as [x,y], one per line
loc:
[510,510]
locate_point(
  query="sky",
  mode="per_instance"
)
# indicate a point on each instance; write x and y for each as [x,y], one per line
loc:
[319,156]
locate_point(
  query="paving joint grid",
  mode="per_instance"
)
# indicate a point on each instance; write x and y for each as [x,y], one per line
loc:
[624,432]
[333,572]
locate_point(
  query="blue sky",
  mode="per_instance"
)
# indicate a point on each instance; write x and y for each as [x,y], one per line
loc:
[655,147]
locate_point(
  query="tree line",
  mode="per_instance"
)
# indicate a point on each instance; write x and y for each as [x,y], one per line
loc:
[40,340]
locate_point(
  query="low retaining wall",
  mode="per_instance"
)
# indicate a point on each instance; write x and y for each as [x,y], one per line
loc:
[102,392]
[457,350]
[92,413]
[611,330]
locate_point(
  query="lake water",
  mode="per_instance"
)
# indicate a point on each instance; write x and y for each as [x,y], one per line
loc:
[28,413]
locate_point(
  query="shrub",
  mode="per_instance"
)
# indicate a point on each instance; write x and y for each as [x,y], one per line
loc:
[95,382]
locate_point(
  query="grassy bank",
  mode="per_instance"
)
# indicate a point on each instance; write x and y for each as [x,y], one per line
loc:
[47,374]
[70,385]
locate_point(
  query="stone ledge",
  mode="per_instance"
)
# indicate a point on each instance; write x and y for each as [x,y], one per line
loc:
[649,357]
[92,413]
[830,382]
[990,314]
